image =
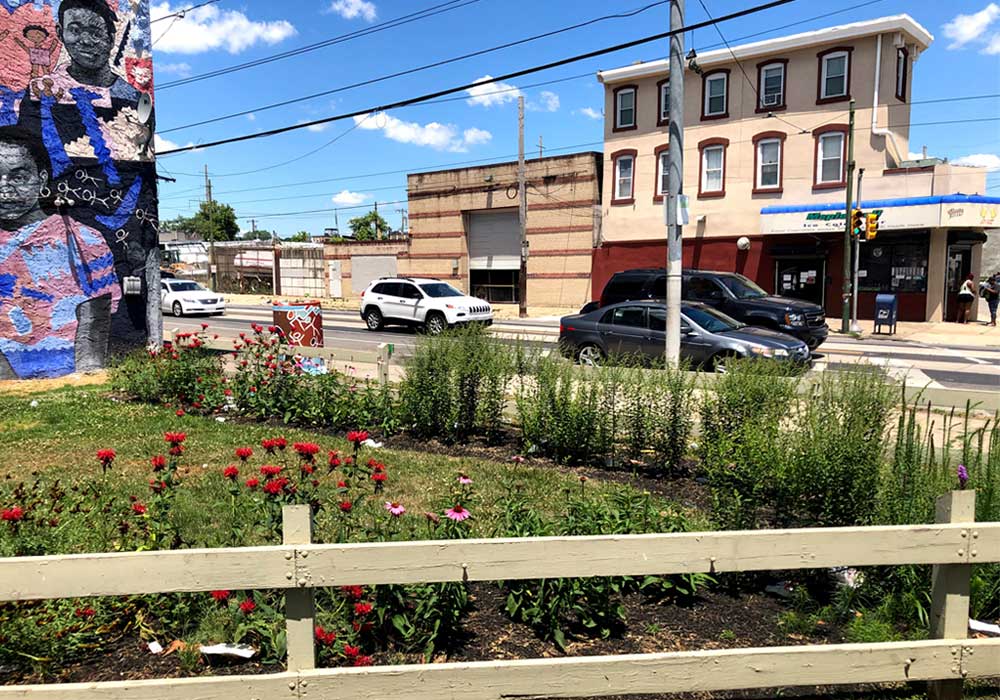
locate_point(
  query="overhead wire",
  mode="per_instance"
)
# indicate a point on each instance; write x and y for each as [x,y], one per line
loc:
[181,13]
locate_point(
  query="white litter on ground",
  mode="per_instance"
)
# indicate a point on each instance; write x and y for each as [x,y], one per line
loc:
[984,627]
[155,648]
[241,651]
[372,444]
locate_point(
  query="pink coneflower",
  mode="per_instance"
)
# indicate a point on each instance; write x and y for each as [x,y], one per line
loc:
[395,509]
[457,513]
[464,480]
[517,459]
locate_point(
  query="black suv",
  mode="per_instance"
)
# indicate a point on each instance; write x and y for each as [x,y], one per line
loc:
[729,292]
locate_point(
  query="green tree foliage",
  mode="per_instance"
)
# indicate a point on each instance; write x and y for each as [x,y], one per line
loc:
[369,227]
[300,237]
[214,221]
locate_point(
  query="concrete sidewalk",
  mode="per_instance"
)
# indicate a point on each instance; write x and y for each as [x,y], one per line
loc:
[974,334]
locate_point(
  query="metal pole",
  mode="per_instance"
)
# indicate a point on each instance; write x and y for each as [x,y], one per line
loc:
[522,214]
[211,241]
[675,184]
[845,324]
[855,328]
[541,148]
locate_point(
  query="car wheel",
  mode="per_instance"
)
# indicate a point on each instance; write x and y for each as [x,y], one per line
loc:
[373,319]
[435,324]
[590,355]
[178,309]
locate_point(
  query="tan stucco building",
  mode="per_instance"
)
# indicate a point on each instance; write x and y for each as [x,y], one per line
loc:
[765,158]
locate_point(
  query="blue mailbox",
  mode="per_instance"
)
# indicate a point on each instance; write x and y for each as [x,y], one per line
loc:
[886,309]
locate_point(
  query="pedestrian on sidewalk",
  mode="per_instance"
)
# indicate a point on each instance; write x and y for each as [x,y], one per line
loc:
[966,295]
[992,294]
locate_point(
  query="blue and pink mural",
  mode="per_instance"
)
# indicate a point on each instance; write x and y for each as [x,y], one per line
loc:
[78,216]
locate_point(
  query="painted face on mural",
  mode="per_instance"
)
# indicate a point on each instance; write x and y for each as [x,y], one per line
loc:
[88,39]
[21,182]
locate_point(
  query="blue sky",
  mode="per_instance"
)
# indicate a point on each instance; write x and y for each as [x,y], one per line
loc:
[963,60]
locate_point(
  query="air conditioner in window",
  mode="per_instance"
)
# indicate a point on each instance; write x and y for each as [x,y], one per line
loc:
[771,100]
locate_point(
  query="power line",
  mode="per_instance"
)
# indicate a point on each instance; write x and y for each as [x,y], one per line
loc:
[508,76]
[410,71]
[181,13]
[388,24]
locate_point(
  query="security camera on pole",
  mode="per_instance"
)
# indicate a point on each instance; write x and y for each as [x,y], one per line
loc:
[675,202]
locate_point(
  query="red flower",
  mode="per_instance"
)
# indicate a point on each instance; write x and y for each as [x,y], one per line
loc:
[355,592]
[276,486]
[307,469]
[270,470]
[247,606]
[345,506]
[257,328]
[341,484]
[357,436]
[220,596]
[157,486]
[244,453]
[231,472]
[362,661]
[351,652]
[228,392]
[379,478]
[84,612]
[272,329]
[204,326]
[323,636]
[12,515]
[180,412]
[362,609]
[253,483]
[334,459]
[307,450]
[175,438]
[176,451]
[106,457]
[138,508]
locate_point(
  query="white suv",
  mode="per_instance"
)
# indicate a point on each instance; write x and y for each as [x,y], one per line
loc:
[420,301]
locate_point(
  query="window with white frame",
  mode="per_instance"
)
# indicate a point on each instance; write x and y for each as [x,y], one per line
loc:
[772,85]
[830,158]
[833,82]
[901,56]
[662,172]
[625,108]
[624,174]
[715,94]
[712,166]
[768,164]
[664,100]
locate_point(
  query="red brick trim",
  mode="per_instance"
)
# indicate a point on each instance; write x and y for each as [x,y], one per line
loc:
[569,204]
[820,100]
[432,256]
[614,175]
[704,94]
[434,214]
[767,136]
[559,229]
[660,121]
[635,108]
[500,187]
[442,234]
[760,86]
[817,132]
[658,198]
[901,96]
[556,252]
[702,145]
[558,275]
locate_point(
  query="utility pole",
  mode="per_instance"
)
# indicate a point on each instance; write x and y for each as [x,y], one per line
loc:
[522,214]
[855,328]
[675,183]
[402,220]
[377,236]
[211,242]
[541,148]
[845,321]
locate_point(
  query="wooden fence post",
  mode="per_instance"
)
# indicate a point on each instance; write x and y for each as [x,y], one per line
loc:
[384,353]
[950,589]
[300,604]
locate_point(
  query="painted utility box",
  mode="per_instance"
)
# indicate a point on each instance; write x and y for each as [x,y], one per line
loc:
[301,322]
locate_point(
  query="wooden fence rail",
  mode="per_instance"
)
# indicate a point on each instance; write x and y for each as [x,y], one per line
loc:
[952,546]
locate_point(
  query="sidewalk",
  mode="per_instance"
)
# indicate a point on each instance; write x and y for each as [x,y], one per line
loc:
[973,334]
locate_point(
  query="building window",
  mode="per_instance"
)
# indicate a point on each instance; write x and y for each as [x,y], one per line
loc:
[902,63]
[830,141]
[894,266]
[771,85]
[834,75]
[625,107]
[715,102]
[663,90]
[768,158]
[624,181]
[712,180]
[662,172]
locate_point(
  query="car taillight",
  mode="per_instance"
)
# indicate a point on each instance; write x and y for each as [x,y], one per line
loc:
[362,294]
[563,329]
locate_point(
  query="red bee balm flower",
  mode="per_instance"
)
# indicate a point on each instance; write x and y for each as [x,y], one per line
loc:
[180,412]
[274,487]
[334,459]
[345,506]
[354,592]
[351,652]
[12,515]
[244,453]
[270,470]
[379,478]
[138,508]
[220,596]
[247,606]
[84,612]
[362,608]
[106,457]
[326,637]
[253,483]
[357,436]
[231,472]
[362,661]
[307,450]
[175,438]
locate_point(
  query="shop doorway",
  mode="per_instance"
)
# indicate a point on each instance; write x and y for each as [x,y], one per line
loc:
[801,278]
[959,267]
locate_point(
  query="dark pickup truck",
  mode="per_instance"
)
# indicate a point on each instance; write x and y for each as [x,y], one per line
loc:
[729,292]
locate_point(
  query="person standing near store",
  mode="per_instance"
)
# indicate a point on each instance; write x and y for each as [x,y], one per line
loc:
[992,294]
[966,295]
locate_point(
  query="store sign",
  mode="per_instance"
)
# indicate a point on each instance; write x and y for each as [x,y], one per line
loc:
[890,218]
[972,214]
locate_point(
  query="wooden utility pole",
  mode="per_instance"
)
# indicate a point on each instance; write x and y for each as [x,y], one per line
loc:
[541,148]
[845,321]
[211,241]
[522,214]
[675,184]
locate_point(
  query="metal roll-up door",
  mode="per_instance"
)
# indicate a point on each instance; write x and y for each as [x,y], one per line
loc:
[494,241]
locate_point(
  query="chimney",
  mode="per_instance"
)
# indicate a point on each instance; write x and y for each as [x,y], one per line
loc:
[924,151]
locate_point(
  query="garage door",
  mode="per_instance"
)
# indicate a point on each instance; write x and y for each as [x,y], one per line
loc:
[365,268]
[494,241]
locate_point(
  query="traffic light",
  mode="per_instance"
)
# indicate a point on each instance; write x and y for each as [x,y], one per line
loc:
[871,229]
[858,223]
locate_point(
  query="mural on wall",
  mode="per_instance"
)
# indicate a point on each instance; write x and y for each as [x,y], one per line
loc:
[78,218]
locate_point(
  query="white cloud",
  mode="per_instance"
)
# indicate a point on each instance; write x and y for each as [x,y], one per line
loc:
[208,28]
[990,161]
[590,112]
[181,70]
[993,47]
[487,93]
[161,144]
[966,28]
[316,128]
[547,102]
[440,137]
[346,198]
[918,156]
[350,9]
[251,117]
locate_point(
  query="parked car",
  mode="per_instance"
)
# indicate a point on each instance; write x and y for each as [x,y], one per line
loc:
[709,338]
[729,292]
[180,297]
[422,302]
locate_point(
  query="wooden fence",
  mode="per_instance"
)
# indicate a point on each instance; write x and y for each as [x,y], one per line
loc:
[952,545]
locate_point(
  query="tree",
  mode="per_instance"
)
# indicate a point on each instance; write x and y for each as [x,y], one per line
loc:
[213,222]
[300,237]
[261,234]
[369,227]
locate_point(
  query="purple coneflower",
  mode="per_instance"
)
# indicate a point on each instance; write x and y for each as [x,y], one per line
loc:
[457,513]
[395,509]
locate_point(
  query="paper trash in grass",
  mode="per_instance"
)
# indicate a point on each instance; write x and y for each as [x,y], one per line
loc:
[240,651]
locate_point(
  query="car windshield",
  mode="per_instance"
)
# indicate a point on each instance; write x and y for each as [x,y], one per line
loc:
[440,289]
[711,320]
[186,287]
[741,287]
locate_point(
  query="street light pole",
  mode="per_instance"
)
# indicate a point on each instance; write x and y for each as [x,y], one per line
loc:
[855,328]
[675,183]
[845,321]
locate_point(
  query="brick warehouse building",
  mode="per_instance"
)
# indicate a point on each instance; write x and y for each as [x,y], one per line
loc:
[464,228]
[765,159]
